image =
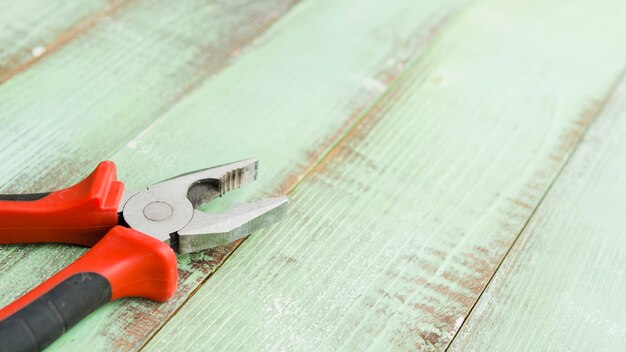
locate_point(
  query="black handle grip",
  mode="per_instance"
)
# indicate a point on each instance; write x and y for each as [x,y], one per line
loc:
[41,322]
[25,197]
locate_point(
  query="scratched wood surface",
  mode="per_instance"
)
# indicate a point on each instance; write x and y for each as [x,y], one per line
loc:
[89,98]
[34,28]
[394,235]
[252,103]
[563,286]
[411,172]
[96,92]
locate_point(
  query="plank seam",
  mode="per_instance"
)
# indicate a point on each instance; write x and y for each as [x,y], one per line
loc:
[196,85]
[397,81]
[193,292]
[323,157]
[596,113]
[66,37]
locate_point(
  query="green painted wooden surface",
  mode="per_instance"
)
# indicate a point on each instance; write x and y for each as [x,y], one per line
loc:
[563,286]
[411,171]
[88,99]
[32,29]
[97,92]
[392,238]
[254,107]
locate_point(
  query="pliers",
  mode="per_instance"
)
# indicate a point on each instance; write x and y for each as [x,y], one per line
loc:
[134,235]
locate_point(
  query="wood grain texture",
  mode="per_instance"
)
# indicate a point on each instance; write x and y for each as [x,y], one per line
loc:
[84,102]
[563,285]
[393,236]
[100,90]
[32,29]
[90,97]
[254,107]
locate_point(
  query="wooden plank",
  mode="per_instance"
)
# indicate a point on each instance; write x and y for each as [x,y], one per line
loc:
[394,235]
[32,29]
[95,94]
[87,100]
[255,107]
[563,285]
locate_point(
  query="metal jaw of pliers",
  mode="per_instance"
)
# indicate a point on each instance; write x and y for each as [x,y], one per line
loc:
[167,210]
[134,235]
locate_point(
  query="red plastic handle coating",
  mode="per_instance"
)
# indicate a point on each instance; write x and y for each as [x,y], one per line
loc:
[136,265]
[81,214]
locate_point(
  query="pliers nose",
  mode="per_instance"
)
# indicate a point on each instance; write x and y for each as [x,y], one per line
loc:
[212,230]
[167,210]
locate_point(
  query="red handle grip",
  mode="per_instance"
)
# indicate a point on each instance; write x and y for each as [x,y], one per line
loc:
[134,264]
[81,214]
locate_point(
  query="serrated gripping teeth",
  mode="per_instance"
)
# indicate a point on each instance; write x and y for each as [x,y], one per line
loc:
[233,180]
[205,185]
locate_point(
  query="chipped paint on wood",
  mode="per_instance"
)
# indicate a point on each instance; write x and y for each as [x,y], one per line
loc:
[57,123]
[563,285]
[31,29]
[396,233]
[259,101]
[325,99]
[20,62]
[102,88]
